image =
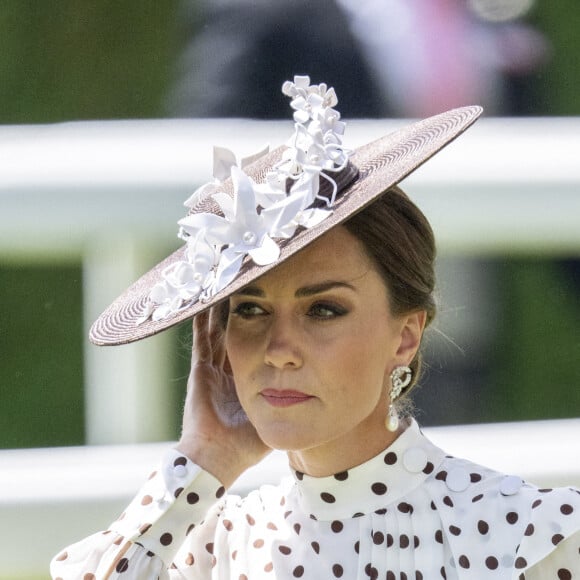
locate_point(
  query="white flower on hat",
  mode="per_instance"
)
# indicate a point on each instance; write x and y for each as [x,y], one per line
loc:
[257,214]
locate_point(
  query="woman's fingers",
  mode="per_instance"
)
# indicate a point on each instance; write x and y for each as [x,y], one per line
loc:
[208,338]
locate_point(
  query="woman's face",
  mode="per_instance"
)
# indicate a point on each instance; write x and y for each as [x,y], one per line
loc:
[311,346]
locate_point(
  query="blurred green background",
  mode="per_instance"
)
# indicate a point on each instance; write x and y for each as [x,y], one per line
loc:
[67,60]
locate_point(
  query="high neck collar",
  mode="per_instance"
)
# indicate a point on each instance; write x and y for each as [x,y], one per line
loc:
[373,485]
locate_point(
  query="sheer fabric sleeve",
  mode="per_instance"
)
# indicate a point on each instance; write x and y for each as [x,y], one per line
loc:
[177,502]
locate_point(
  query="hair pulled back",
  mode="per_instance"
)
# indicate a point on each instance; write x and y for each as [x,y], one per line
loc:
[400,241]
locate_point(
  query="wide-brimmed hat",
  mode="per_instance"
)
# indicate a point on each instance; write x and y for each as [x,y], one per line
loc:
[254,216]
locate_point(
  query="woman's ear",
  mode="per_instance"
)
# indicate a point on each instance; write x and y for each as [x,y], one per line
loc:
[411,334]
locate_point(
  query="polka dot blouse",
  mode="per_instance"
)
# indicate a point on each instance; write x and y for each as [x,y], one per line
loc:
[409,513]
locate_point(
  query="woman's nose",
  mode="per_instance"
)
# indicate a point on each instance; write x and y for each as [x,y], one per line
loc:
[283,348]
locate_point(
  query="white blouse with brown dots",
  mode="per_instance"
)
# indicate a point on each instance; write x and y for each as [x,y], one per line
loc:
[409,513]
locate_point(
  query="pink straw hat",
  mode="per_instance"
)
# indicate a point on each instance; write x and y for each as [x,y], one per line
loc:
[253,217]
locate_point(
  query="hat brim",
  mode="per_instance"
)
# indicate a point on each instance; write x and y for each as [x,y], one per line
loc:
[381,164]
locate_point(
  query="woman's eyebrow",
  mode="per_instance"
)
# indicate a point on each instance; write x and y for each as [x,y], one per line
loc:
[305,291]
[322,287]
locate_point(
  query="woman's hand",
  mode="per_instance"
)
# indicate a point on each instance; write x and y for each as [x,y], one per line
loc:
[216,433]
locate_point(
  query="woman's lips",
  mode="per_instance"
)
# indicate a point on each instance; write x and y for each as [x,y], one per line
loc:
[284,398]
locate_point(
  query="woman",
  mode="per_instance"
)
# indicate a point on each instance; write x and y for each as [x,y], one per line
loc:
[310,276]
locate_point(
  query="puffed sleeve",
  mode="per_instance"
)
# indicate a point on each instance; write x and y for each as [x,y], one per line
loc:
[550,547]
[177,502]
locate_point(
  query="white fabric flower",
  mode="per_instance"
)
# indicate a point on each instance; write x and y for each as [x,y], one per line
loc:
[257,214]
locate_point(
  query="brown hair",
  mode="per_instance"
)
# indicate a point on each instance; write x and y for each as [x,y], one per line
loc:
[399,239]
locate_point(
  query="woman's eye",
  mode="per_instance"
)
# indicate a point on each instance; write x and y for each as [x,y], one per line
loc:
[326,311]
[247,310]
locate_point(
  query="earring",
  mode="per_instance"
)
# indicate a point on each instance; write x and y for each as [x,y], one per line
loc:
[400,378]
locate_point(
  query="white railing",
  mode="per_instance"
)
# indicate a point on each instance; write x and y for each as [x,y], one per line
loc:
[109,193]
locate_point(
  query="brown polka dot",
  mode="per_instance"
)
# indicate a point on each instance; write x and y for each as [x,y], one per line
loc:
[433,506]
[337,570]
[439,536]
[143,529]
[455,530]
[271,526]
[180,461]
[285,550]
[299,475]
[566,509]
[327,497]
[122,566]
[529,530]
[443,573]
[250,519]
[89,576]
[477,498]
[391,575]
[268,567]
[557,538]
[482,527]
[378,538]
[298,572]
[371,571]
[491,562]
[536,503]
[258,543]
[474,477]
[221,490]
[342,476]
[118,541]
[316,547]
[416,541]
[521,563]
[464,561]
[228,525]
[441,476]
[152,474]
[209,547]
[405,508]
[243,577]
[178,492]
[564,574]
[147,499]
[297,528]
[336,526]
[192,498]
[391,458]
[381,512]
[448,501]
[390,540]
[189,529]
[511,517]
[428,468]
[234,554]
[189,559]
[418,575]
[286,514]
[62,557]
[357,546]
[404,541]
[166,539]
[379,488]
[545,490]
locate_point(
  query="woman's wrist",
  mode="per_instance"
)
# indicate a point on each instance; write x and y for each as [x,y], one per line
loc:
[223,463]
